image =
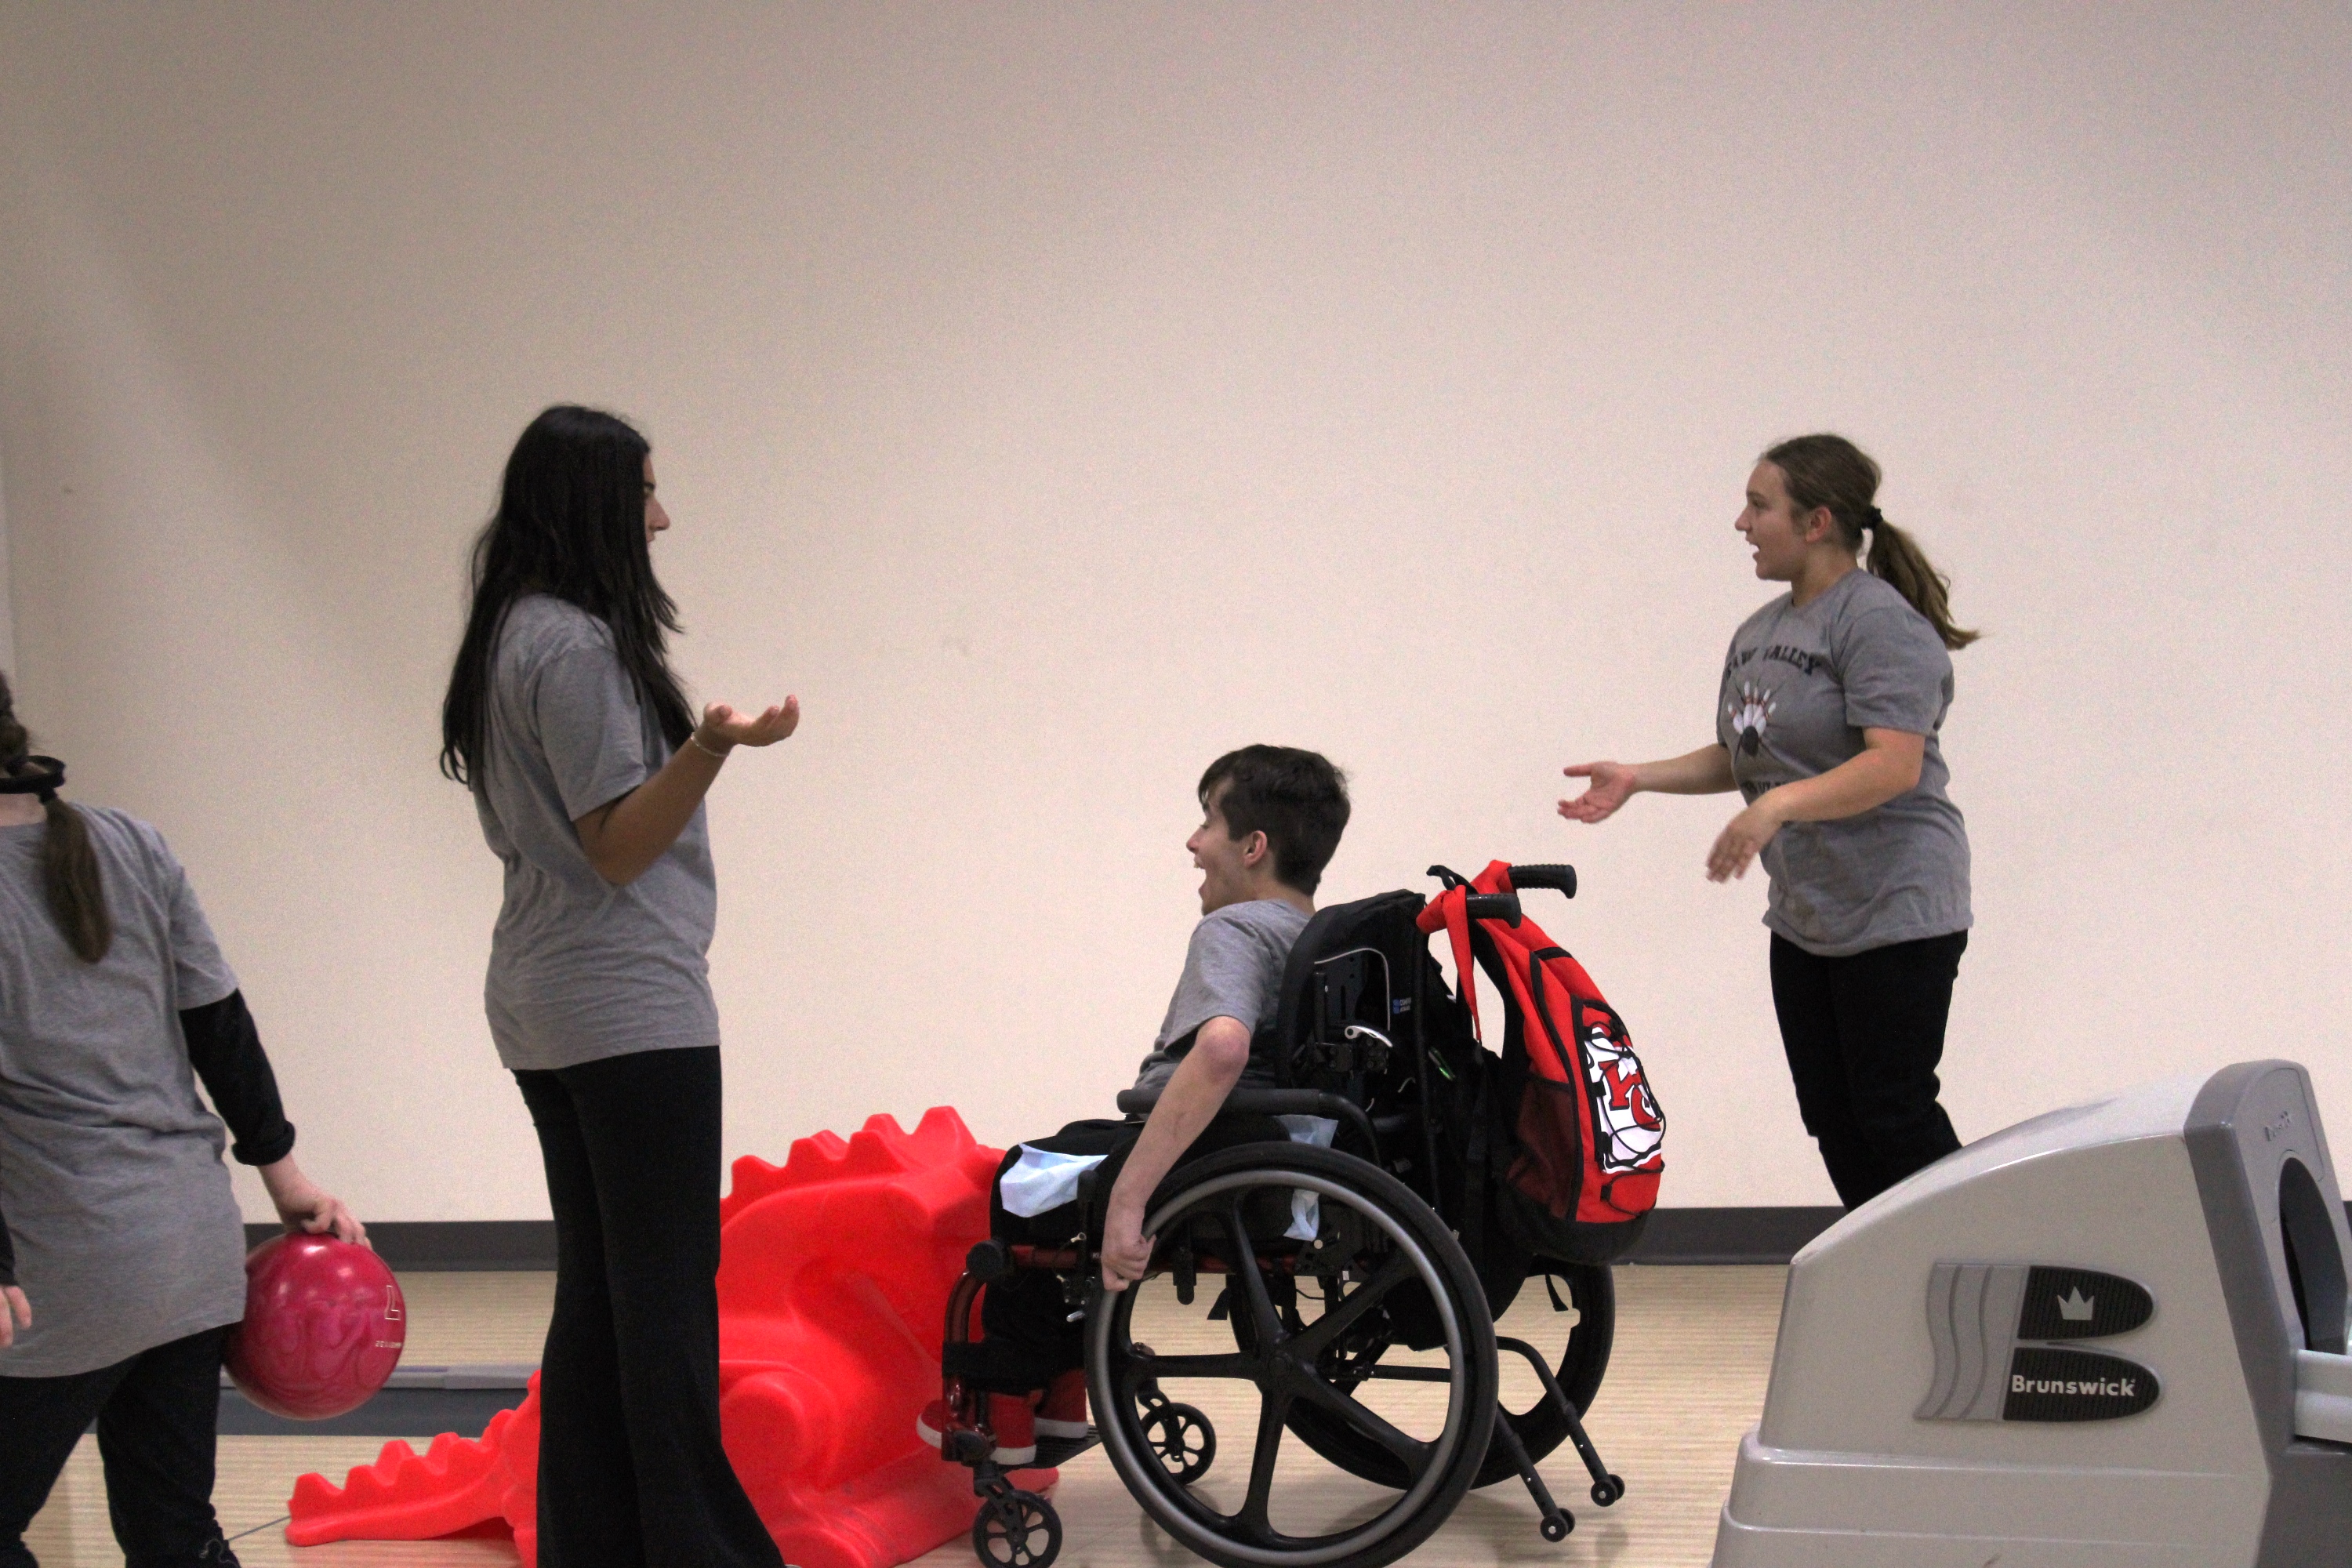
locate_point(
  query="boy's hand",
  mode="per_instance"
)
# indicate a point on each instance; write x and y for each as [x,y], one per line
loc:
[16,1312]
[1126,1250]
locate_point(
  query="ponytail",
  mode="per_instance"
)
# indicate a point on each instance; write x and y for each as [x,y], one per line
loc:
[70,872]
[1831,471]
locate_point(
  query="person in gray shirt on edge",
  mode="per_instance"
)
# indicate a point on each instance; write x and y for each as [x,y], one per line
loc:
[1826,723]
[588,771]
[121,1249]
[1271,818]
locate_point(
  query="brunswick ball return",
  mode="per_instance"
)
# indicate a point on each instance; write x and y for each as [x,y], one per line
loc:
[2110,1337]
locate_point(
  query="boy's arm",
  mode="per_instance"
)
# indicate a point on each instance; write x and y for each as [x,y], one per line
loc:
[1189,1102]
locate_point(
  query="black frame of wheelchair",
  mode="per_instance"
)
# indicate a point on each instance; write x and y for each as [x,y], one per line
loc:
[1386,1261]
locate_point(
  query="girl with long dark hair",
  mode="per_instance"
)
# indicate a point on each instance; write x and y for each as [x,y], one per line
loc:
[1831,699]
[588,771]
[121,1250]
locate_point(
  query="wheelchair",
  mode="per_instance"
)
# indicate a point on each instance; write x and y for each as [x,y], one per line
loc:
[1352,1293]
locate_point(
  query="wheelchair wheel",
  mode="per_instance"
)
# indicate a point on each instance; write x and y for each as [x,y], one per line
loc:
[1182,1438]
[1430,1420]
[1582,1362]
[1017,1530]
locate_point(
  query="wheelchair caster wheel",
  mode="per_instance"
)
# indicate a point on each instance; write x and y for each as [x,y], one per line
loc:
[1185,1442]
[1605,1492]
[1017,1530]
[1557,1526]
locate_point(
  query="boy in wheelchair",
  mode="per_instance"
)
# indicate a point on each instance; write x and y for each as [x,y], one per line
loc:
[1271,819]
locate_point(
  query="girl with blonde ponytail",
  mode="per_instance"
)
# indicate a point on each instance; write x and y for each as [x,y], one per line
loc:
[121,1248]
[1827,720]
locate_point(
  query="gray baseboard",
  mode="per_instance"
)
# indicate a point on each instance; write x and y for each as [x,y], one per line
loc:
[1766,1234]
[1730,1235]
[452,1246]
[1675,1235]
[412,1413]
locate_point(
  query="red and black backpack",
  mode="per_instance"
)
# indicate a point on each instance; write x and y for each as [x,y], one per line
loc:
[1567,1133]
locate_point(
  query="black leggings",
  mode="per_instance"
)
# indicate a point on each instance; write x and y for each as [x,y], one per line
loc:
[631,1473]
[1863,1034]
[158,1413]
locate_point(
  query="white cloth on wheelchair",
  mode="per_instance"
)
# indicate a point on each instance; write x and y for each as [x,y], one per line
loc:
[1305,1208]
[1042,1180]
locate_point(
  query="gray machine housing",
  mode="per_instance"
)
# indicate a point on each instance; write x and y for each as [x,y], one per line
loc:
[2110,1337]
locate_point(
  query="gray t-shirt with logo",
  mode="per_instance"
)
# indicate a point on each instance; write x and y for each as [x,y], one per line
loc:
[1233,969]
[126,1232]
[581,970]
[1799,686]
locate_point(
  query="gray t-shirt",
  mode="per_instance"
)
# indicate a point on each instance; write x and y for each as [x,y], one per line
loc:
[581,970]
[1233,969]
[1799,686]
[126,1232]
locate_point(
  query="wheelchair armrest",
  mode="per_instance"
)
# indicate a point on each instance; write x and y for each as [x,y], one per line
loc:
[1273,1102]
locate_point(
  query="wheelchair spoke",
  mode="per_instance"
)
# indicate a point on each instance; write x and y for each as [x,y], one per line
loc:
[1411,1449]
[1273,1411]
[1264,1323]
[1337,1320]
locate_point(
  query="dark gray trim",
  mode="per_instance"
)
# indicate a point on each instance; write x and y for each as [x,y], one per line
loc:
[452,1246]
[1765,1234]
[1771,1234]
[416,1412]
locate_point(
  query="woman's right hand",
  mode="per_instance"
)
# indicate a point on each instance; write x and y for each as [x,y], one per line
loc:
[16,1312]
[722,728]
[1613,784]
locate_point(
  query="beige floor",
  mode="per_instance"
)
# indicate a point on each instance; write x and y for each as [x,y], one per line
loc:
[1693,1347]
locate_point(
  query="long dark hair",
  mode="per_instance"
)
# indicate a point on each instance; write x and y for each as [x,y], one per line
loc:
[571,524]
[1831,471]
[69,865]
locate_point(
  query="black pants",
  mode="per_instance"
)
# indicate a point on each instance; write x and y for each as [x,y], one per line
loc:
[631,1473]
[158,1416]
[1028,1339]
[1864,1036]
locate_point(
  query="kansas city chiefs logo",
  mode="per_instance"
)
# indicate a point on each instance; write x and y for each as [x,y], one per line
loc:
[1750,712]
[1629,1127]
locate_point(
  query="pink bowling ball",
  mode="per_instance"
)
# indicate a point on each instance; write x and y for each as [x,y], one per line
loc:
[323,1326]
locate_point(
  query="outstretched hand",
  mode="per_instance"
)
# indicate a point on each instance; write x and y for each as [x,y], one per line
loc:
[16,1312]
[1612,786]
[723,728]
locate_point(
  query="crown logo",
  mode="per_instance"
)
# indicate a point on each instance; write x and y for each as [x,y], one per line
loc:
[2074,1307]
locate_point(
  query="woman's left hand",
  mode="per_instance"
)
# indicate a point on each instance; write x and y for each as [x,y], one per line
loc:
[308,1207]
[1741,841]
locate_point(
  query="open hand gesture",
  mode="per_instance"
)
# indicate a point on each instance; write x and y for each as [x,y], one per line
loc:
[1612,786]
[16,1312]
[723,728]
[1742,839]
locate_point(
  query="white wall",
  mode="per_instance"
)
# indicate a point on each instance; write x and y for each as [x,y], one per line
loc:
[1055,397]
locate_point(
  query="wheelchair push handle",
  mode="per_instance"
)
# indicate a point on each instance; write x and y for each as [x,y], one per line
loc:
[1504,907]
[1559,879]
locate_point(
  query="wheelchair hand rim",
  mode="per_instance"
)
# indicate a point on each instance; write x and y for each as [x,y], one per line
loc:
[1186,1519]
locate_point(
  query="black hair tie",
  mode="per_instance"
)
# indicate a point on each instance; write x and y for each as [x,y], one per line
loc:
[43,777]
[1875,519]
